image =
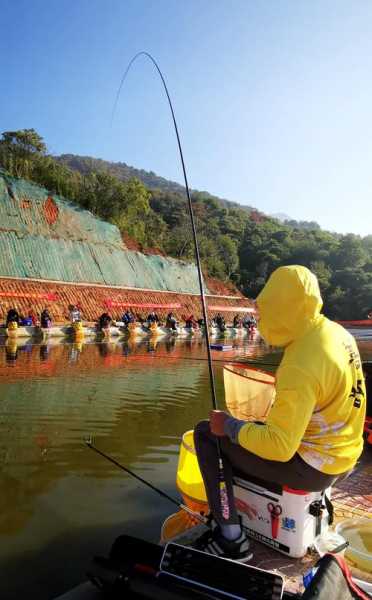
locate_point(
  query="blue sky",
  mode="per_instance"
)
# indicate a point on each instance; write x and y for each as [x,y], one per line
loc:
[273,97]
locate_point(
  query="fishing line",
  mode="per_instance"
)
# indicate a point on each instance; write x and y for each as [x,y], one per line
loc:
[225,509]
[243,359]
[194,514]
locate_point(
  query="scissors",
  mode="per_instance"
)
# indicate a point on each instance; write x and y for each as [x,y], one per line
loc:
[275,511]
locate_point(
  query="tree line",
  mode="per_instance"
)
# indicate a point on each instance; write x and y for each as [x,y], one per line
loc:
[237,243]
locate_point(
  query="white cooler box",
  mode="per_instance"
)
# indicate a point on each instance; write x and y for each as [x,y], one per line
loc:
[285,519]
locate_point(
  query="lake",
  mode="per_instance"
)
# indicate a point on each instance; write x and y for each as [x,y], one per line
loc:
[60,502]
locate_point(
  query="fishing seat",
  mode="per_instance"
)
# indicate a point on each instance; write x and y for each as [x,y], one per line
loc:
[283,518]
[288,520]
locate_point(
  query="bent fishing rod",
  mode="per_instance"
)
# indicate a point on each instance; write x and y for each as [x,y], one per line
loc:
[191,212]
[225,509]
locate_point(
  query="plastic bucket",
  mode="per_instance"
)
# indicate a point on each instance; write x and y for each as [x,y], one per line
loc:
[189,478]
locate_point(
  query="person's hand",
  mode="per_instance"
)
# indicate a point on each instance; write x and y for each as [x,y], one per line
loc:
[217,422]
[245,508]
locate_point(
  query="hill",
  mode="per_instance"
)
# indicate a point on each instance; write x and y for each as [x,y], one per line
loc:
[87,164]
[237,244]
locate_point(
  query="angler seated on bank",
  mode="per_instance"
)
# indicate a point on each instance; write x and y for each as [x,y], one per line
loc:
[74,313]
[30,320]
[104,322]
[314,432]
[12,317]
[128,318]
[171,322]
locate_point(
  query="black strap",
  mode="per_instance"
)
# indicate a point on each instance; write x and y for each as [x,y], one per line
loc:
[316,510]
[330,509]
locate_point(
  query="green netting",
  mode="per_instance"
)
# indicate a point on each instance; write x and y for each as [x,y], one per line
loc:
[48,237]
[23,207]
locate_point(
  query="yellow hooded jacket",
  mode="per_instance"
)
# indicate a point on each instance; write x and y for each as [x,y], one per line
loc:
[320,401]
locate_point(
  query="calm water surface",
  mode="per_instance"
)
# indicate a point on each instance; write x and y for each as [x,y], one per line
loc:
[60,502]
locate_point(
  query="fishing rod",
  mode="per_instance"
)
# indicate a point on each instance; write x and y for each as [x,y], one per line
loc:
[191,212]
[191,512]
[225,508]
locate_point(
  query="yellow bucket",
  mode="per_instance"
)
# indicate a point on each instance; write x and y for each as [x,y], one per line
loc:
[189,478]
[78,330]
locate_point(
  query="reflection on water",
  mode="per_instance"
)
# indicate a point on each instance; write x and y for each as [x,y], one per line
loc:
[60,502]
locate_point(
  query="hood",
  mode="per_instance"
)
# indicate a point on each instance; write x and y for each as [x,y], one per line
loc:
[289,305]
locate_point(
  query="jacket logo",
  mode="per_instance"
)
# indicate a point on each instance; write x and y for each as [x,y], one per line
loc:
[357,394]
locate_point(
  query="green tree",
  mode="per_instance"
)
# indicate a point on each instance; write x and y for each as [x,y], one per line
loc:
[323,273]
[349,253]
[24,142]
[180,243]
[19,151]
[130,208]
[228,253]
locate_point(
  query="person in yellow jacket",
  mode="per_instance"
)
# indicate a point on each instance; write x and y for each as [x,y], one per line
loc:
[314,432]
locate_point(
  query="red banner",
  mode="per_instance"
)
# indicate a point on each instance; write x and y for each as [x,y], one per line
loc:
[114,304]
[29,295]
[232,308]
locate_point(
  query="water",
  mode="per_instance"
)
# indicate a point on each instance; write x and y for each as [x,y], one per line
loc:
[61,503]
